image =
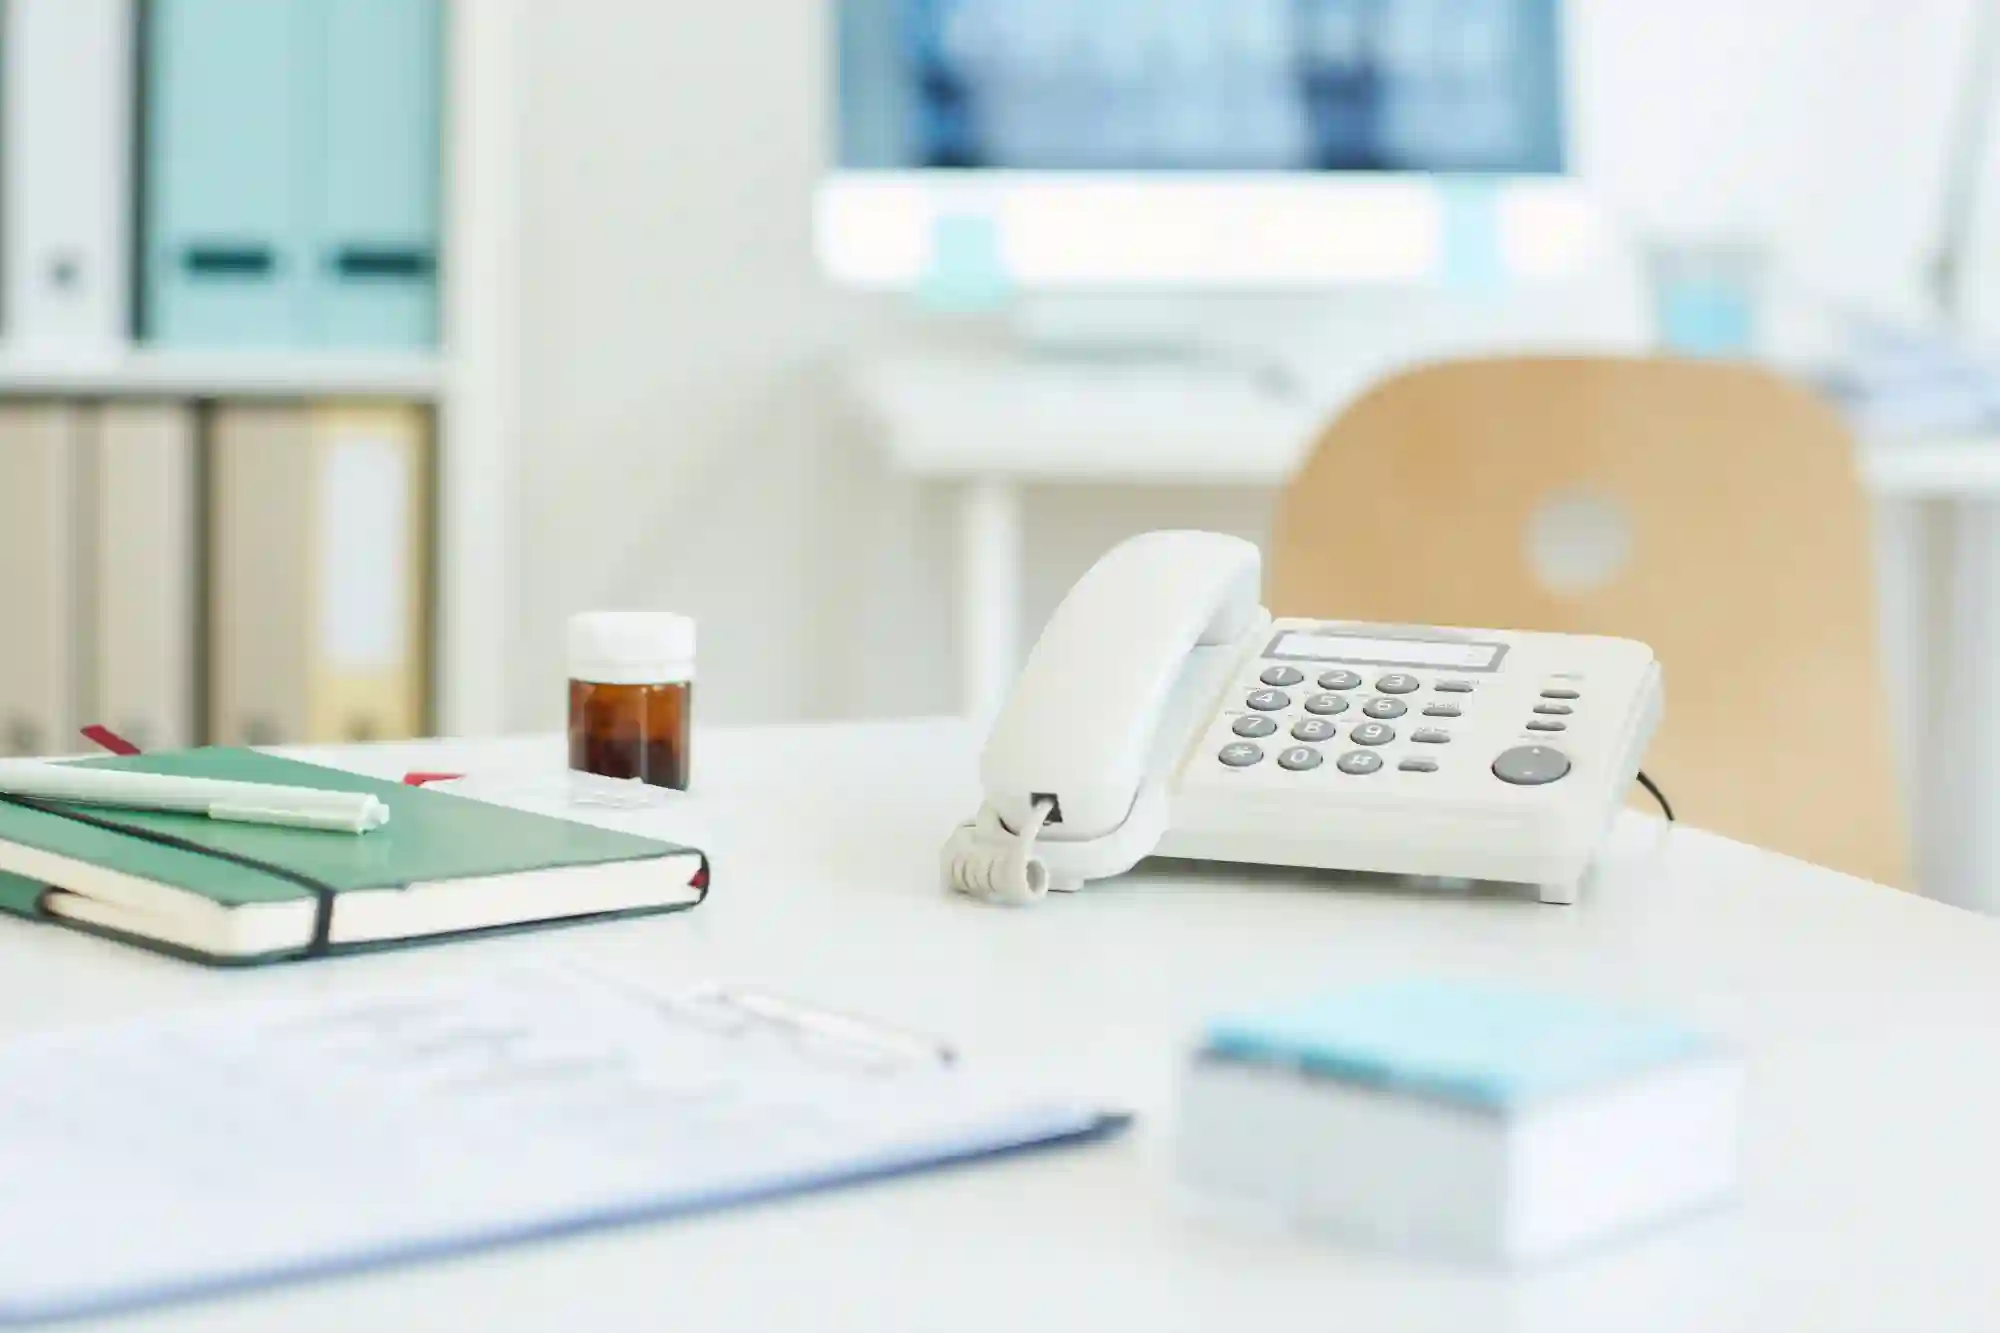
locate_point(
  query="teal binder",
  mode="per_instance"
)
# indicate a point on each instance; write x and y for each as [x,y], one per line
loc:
[376,111]
[225,211]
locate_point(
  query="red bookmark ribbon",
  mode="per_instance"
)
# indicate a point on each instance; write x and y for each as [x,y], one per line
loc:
[105,738]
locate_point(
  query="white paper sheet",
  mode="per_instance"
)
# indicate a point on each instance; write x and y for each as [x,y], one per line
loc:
[190,1152]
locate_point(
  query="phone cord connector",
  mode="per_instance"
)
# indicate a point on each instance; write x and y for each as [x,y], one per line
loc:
[985,860]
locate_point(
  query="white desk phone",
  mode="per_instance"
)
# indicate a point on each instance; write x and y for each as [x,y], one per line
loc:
[1164,712]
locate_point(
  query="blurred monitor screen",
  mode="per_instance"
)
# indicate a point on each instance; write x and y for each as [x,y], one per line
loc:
[994,146]
[1200,85]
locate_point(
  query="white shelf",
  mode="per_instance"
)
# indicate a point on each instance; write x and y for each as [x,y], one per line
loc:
[139,371]
[474,384]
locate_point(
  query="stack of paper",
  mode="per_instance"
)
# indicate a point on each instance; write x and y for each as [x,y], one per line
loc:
[1460,1119]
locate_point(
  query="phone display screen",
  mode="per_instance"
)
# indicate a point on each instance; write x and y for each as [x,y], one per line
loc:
[1443,653]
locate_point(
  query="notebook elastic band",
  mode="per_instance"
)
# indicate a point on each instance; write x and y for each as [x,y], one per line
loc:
[323,893]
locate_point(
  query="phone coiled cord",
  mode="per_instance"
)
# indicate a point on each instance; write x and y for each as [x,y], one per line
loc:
[984,860]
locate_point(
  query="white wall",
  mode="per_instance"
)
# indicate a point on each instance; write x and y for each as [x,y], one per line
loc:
[683,447]
[675,338]
[1821,122]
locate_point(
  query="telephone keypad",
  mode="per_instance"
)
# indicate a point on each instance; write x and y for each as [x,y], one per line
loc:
[1402,749]
[1274,707]
[1301,758]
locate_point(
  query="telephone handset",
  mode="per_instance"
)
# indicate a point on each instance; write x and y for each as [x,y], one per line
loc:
[1164,712]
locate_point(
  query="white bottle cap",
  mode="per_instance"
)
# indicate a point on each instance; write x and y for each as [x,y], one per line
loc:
[631,647]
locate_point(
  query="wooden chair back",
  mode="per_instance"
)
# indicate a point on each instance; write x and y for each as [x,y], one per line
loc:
[1747,566]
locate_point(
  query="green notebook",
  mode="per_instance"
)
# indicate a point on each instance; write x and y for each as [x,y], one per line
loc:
[243,893]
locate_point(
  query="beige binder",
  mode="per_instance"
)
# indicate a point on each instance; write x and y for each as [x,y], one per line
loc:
[260,517]
[139,525]
[319,574]
[371,541]
[39,585]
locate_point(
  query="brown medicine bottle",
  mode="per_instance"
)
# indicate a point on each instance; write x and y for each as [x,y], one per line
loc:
[631,695]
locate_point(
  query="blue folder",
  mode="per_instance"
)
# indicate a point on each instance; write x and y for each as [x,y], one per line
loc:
[225,207]
[292,173]
[374,236]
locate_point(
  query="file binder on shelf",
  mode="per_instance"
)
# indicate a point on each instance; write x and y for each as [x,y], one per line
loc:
[66,84]
[225,213]
[371,541]
[373,280]
[320,573]
[139,522]
[39,586]
[293,168]
[259,579]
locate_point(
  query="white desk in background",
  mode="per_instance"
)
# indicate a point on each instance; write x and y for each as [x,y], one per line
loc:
[1865,1016]
[988,428]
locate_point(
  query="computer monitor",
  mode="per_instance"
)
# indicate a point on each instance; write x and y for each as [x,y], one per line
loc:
[1079,144]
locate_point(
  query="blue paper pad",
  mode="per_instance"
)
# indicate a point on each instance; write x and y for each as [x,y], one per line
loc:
[1494,1049]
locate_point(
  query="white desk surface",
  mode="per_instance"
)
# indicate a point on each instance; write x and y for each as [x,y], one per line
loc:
[953,418]
[1868,1018]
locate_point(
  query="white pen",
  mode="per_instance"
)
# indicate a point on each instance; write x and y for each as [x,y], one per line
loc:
[237,802]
